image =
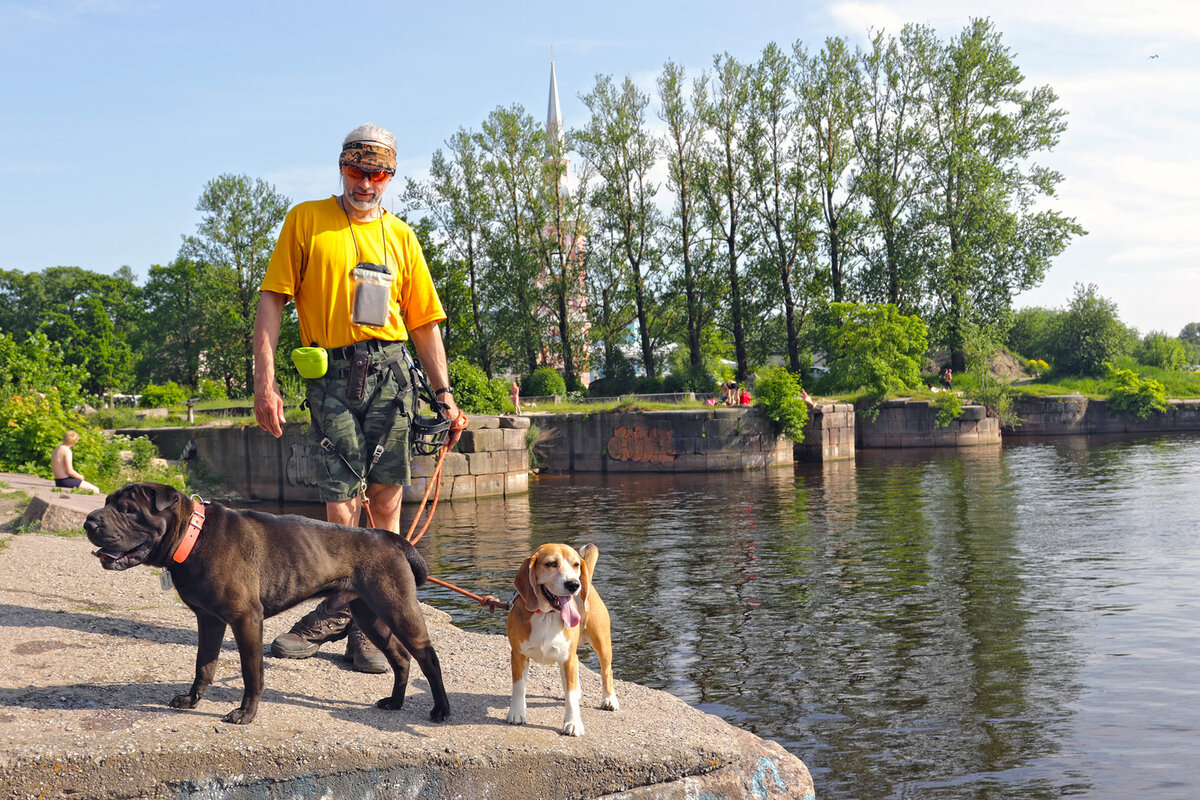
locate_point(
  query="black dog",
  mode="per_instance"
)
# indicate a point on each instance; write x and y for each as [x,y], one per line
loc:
[245,566]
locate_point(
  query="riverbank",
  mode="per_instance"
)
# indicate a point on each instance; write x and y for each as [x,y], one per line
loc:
[89,659]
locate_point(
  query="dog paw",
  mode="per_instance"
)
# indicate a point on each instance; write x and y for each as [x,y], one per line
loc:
[610,703]
[239,717]
[184,701]
[390,703]
[439,714]
[515,717]
[572,729]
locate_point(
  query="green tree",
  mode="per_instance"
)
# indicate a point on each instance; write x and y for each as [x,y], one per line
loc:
[874,347]
[560,246]
[456,198]
[683,229]
[830,103]
[723,187]
[513,147]
[172,334]
[236,236]
[1158,349]
[451,279]
[784,209]
[611,307]
[1032,333]
[994,238]
[889,136]
[1089,334]
[621,150]
[87,313]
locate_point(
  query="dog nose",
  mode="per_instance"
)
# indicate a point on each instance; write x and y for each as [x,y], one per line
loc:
[571,586]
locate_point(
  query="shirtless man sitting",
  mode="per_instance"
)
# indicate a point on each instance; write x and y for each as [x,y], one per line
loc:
[62,463]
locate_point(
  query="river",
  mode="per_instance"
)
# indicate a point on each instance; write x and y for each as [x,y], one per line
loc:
[1018,621]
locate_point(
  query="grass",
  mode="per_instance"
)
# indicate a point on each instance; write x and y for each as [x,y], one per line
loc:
[626,403]
[1179,385]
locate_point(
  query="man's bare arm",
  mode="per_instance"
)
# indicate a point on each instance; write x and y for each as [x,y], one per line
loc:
[268,402]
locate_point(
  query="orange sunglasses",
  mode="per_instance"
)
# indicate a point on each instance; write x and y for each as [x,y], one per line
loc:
[374,176]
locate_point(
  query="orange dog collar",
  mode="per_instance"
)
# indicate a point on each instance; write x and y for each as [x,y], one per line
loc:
[192,533]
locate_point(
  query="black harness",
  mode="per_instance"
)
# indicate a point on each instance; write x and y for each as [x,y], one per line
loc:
[428,433]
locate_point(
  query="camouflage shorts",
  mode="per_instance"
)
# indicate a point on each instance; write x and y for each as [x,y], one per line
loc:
[355,429]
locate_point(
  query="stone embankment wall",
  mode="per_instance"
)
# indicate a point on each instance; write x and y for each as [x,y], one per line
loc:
[1061,415]
[491,460]
[913,423]
[691,440]
[829,434]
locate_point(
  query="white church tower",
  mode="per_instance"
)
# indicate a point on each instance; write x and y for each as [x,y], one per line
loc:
[554,131]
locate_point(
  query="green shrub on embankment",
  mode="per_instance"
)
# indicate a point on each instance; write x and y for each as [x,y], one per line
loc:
[781,398]
[39,395]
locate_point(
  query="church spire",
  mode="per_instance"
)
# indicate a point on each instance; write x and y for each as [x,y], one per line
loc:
[554,129]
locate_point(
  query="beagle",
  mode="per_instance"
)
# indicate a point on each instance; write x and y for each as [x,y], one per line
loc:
[556,607]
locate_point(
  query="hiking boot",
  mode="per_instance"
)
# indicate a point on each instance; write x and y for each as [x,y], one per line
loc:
[363,653]
[313,630]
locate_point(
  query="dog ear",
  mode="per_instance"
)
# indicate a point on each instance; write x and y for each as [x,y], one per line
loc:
[585,582]
[164,496]
[524,583]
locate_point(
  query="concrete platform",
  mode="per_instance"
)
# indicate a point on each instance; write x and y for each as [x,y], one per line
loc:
[51,510]
[89,659]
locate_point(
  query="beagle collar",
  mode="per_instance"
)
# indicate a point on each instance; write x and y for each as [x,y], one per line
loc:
[195,523]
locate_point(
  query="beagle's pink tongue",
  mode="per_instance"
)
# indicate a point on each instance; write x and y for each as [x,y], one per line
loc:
[570,617]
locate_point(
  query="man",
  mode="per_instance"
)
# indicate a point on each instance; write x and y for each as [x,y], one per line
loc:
[361,288]
[62,464]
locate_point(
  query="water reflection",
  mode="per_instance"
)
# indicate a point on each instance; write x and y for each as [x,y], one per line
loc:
[994,622]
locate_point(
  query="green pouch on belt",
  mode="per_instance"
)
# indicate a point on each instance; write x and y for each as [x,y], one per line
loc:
[311,362]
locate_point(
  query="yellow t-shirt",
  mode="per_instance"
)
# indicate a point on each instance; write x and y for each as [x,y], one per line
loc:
[314,262]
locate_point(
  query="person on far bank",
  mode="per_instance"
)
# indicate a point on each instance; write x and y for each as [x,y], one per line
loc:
[62,464]
[947,379]
[362,289]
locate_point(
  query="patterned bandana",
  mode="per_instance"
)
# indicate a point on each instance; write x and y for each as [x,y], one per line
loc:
[368,155]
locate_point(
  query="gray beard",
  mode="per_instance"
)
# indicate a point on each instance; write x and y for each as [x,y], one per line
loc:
[360,206]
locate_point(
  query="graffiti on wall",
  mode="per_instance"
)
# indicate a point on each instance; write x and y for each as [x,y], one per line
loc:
[647,446]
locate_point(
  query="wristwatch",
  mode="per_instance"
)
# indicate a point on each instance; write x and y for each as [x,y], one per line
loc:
[443,390]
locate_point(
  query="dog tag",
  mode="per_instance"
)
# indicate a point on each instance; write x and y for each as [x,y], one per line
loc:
[164,580]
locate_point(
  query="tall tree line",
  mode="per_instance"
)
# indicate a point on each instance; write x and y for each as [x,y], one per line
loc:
[901,172]
[720,212]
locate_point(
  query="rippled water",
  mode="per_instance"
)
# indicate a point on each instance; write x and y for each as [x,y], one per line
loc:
[995,622]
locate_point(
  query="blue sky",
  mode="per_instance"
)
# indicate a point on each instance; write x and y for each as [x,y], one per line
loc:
[116,112]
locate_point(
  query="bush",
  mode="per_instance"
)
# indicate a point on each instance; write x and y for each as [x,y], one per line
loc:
[949,406]
[473,392]
[1032,332]
[544,381]
[211,390]
[1133,396]
[1088,335]
[1162,351]
[690,379]
[647,385]
[37,391]
[169,394]
[781,398]
[873,347]
[619,381]
[31,426]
